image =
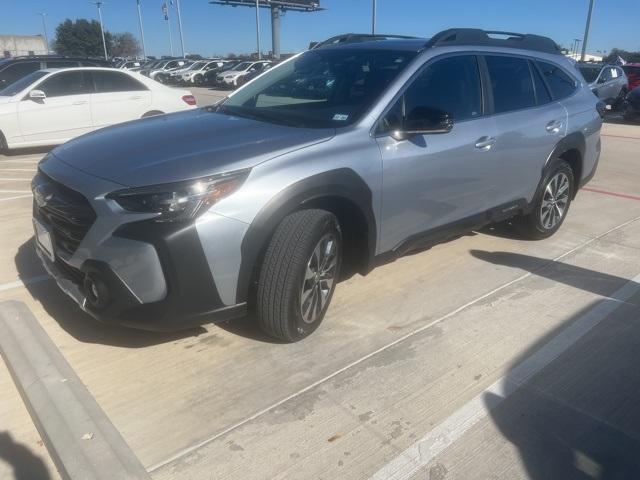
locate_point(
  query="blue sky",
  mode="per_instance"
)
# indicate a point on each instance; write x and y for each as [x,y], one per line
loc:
[211,29]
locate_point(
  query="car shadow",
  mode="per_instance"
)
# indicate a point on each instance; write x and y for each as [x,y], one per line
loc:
[26,465]
[75,321]
[578,417]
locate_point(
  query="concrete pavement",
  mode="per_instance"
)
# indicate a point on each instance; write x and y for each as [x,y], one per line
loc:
[401,352]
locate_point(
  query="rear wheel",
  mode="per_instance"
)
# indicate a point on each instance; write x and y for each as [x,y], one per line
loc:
[551,203]
[199,80]
[618,103]
[3,144]
[298,275]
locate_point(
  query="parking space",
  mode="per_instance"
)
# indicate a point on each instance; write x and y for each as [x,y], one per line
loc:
[399,378]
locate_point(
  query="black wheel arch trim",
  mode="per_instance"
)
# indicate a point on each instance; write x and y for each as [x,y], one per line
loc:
[342,183]
[573,141]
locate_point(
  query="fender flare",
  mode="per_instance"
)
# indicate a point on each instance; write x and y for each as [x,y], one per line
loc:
[572,141]
[342,183]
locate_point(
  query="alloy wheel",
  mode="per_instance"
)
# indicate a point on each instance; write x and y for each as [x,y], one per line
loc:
[319,278]
[555,200]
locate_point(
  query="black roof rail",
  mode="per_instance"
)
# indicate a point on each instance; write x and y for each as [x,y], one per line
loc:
[355,38]
[476,36]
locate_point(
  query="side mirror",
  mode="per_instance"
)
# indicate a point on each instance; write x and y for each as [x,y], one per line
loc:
[37,95]
[423,121]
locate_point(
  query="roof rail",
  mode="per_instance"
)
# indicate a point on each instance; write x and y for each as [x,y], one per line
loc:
[475,36]
[355,38]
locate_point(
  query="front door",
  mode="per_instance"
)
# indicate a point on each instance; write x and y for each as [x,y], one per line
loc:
[64,113]
[434,180]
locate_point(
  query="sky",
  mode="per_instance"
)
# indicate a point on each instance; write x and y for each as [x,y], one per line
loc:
[218,30]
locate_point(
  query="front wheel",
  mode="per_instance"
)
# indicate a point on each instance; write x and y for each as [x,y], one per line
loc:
[550,205]
[299,274]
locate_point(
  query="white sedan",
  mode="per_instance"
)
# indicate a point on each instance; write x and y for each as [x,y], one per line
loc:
[49,107]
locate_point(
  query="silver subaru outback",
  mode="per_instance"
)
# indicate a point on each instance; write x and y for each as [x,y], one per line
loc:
[342,158]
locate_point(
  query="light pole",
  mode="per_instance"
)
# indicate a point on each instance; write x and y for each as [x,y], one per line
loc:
[180,27]
[373,18]
[44,27]
[258,28]
[104,43]
[144,49]
[165,10]
[586,31]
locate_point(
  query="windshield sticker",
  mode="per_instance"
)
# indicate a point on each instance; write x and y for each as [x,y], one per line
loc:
[341,117]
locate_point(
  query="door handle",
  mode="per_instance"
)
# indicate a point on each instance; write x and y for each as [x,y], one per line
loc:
[80,102]
[554,126]
[485,143]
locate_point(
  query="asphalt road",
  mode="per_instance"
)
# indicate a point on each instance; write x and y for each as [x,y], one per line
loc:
[486,357]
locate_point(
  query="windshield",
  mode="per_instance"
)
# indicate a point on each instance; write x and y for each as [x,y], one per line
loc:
[320,88]
[19,85]
[197,66]
[243,66]
[589,73]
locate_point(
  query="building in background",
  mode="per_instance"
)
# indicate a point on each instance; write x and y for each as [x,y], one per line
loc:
[15,45]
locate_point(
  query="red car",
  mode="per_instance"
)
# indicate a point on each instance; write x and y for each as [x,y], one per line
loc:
[632,71]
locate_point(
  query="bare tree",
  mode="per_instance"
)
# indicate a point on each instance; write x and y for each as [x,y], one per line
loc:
[125,45]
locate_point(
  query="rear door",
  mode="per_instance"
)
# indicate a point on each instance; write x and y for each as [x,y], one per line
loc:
[118,98]
[529,125]
[64,113]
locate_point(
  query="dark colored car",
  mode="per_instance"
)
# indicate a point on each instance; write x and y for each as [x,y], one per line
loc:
[14,68]
[632,105]
[633,74]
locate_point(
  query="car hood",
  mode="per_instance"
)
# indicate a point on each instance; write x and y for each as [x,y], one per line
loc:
[182,146]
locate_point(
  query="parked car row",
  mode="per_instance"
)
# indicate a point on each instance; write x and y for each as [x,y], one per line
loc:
[14,68]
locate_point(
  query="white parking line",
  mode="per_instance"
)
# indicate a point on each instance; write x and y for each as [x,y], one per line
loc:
[35,160]
[456,425]
[18,170]
[14,197]
[417,331]
[23,283]
[4,179]
[14,191]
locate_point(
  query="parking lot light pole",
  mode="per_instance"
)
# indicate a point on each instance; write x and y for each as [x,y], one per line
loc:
[258,28]
[586,32]
[44,28]
[373,18]
[144,48]
[180,27]
[104,43]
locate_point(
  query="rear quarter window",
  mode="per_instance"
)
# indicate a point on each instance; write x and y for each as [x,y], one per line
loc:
[561,84]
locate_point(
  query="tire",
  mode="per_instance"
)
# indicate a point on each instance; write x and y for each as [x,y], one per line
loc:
[288,274]
[551,203]
[198,80]
[618,103]
[3,144]
[152,113]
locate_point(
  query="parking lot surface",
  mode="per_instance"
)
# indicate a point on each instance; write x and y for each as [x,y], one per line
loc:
[485,357]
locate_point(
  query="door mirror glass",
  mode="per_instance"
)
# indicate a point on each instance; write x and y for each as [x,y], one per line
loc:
[422,121]
[37,95]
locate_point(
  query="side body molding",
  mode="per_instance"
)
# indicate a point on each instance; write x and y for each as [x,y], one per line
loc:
[342,184]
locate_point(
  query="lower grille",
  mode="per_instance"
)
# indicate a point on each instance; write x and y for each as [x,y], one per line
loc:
[66,212]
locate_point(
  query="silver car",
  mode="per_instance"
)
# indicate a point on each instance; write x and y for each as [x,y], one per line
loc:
[607,82]
[335,161]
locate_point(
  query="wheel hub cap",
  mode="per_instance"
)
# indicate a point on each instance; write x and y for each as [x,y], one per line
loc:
[554,201]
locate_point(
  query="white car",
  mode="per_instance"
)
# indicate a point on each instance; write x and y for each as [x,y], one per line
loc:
[168,66]
[230,77]
[195,72]
[49,107]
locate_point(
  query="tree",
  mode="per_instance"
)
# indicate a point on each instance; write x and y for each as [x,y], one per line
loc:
[125,45]
[627,56]
[81,38]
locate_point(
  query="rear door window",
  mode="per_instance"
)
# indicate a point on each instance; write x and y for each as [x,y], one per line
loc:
[107,82]
[511,83]
[560,83]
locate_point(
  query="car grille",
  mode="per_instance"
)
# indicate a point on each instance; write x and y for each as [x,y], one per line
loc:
[66,212]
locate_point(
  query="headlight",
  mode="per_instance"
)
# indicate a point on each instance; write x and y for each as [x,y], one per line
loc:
[175,202]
